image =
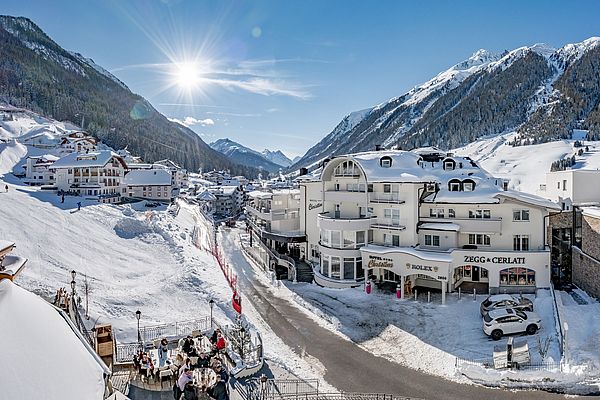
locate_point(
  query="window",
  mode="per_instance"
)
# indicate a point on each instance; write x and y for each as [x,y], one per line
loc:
[479,239]
[393,215]
[486,214]
[325,237]
[564,184]
[558,185]
[370,236]
[468,186]
[360,272]
[360,238]
[370,188]
[385,162]
[325,266]
[454,186]
[451,213]
[391,240]
[517,276]
[521,242]
[387,188]
[432,240]
[335,268]
[336,239]
[520,215]
[348,268]
[436,212]
[449,164]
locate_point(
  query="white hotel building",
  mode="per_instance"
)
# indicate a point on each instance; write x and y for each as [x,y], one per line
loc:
[423,217]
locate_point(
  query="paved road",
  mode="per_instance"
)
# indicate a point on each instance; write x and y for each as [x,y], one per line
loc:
[349,367]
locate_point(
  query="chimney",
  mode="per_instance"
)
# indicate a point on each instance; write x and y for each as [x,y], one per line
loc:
[303,171]
[377,147]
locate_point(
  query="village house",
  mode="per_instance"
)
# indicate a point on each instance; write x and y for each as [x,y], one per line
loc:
[37,170]
[77,142]
[148,184]
[96,174]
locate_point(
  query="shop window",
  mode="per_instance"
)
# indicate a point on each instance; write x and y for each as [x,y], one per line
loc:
[325,266]
[360,272]
[335,268]
[348,268]
[521,242]
[520,215]
[517,276]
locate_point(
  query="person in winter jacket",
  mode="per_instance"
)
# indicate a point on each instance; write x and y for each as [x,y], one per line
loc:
[188,347]
[219,390]
[221,373]
[214,337]
[184,379]
[163,352]
[220,342]
[203,361]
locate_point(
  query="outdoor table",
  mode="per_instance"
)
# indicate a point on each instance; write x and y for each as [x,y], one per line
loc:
[204,378]
[171,354]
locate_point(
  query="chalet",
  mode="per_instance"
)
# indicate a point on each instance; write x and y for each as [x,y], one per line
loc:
[78,142]
[95,174]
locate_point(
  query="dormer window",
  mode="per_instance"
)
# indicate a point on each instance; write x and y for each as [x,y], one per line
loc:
[385,162]
[468,185]
[449,164]
[454,185]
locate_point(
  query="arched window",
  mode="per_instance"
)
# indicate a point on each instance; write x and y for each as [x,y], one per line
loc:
[385,161]
[517,276]
[454,185]
[468,185]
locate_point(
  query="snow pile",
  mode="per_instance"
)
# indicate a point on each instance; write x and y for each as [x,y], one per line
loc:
[42,356]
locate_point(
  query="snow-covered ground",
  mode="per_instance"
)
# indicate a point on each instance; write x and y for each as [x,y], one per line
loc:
[526,166]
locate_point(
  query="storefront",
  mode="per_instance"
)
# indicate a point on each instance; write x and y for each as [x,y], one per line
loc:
[407,267]
[502,272]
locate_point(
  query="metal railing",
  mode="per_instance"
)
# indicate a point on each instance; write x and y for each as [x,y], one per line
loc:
[153,332]
[259,389]
[488,363]
[124,352]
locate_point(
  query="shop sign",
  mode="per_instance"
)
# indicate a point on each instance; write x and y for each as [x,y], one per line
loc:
[380,262]
[494,260]
[419,267]
[314,204]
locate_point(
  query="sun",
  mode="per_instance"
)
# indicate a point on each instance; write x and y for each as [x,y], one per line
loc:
[186,75]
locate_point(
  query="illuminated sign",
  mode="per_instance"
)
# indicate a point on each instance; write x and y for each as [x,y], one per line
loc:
[380,262]
[494,260]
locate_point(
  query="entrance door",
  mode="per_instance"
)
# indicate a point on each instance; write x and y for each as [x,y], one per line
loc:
[475,274]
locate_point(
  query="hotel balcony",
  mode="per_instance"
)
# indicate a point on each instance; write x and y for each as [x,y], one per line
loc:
[266,214]
[339,196]
[332,222]
[471,225]
[265,232]
[387,198]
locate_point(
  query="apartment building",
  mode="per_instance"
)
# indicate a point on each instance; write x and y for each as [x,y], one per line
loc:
[425,219]
[148,184]
[37,170]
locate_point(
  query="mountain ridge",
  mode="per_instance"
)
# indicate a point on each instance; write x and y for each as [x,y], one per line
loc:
[244,155]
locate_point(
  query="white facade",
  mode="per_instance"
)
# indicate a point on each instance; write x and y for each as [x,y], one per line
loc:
[148,184]
[96,174]
[78,142]
[439,222]
[37,170]
[573,187]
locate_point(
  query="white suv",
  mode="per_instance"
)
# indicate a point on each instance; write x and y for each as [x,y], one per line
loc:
[497,323]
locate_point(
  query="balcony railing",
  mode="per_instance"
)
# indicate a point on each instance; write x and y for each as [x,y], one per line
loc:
[393,198]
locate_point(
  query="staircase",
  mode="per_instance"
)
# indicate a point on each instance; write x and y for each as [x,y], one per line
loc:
[304,272]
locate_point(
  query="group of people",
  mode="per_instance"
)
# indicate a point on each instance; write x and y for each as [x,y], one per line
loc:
[189,358]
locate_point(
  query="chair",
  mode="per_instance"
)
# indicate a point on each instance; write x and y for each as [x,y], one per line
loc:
[167,373]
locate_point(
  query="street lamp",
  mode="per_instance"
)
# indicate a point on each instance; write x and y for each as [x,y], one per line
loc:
[138,315]
[211,302]
[73,274]
[242,335]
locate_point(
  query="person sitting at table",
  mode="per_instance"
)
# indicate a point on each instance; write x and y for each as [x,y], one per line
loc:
[163,352]
[179,361]
[219,390]
[221,344]
[188,346]
[203,361]
[186,377]
[187,365]
[220,371]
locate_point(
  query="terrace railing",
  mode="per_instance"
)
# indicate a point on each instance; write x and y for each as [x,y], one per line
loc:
[177,329]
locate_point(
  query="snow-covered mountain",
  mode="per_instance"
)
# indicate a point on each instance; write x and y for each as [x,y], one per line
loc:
[540,92]
[243,155]
[277,157]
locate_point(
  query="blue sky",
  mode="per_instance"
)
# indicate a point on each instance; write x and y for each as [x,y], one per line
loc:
[282,74]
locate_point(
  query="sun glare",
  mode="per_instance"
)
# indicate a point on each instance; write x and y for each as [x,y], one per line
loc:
[186,75]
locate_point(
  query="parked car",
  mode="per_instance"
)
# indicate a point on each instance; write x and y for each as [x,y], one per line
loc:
[506,321]
[499,301]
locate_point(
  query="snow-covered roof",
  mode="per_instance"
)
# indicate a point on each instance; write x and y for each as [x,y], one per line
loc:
[591,211]
[422,254]
[147,177]
[11,265]
[404,167]
[44,158]
[528,198]
[43,357]
[6,244]
[439,226]
[206,196]
[428,150]
[258,194]
[92,159]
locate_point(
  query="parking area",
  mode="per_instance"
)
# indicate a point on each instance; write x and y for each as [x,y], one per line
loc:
[424,335]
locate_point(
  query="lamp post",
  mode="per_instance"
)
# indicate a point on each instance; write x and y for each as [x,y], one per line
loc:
[138,315]
[211,302]
[73,274]
[73,294]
